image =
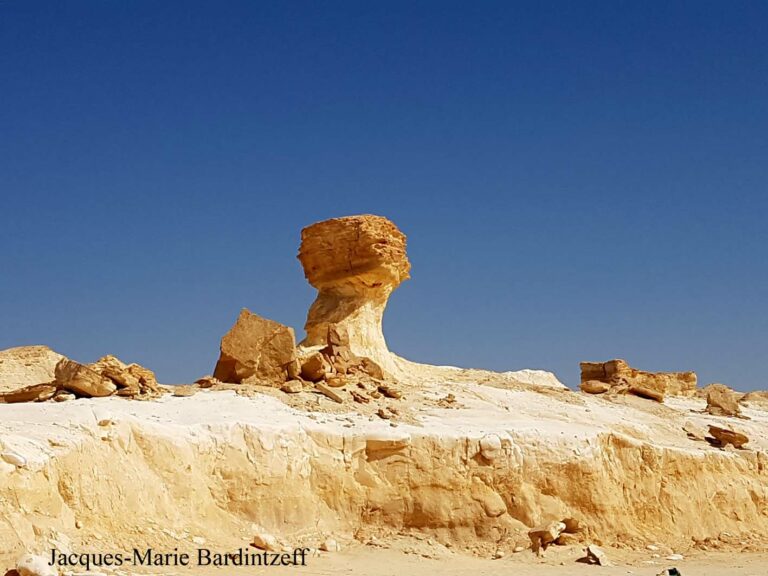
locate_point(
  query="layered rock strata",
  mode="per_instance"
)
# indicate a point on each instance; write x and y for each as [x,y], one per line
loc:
[619,374]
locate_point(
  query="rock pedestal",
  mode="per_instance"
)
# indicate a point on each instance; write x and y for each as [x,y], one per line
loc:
[355,262]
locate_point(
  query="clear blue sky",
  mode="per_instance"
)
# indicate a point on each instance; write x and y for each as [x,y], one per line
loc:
[577,180]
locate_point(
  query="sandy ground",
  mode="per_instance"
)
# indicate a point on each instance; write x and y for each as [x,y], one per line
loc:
[366,561]
[393,563]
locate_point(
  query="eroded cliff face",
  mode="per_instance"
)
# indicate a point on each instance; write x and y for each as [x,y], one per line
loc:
[483,472]
[355,262]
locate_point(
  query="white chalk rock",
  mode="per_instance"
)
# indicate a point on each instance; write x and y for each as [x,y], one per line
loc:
[13,458]
[330,545]
[266,541]
[490,446]
[31,565]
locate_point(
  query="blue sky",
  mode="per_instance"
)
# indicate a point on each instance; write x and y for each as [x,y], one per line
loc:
[577,180]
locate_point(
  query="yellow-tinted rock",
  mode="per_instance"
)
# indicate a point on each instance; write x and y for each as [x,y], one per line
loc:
[616,372]
[27,366]
[257,349]
[355,263]
[82,380]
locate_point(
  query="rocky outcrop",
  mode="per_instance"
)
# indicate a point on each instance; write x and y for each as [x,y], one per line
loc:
[130,379]
[256,350]
[617,373]
[27,366]
[355,263]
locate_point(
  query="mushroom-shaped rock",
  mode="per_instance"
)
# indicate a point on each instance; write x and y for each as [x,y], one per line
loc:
[355,263]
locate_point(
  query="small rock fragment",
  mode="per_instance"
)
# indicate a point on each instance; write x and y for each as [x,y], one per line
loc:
[542,536]
[648,393]
[62,396]
[36,393]
[265,541]
[594,387]
[330,393]
[389,391]
[292,387]
[330,545]
[337,381]
[596,555]
[183,391]
[207,381]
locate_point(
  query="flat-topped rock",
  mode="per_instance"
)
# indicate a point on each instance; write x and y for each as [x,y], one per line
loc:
[27,366]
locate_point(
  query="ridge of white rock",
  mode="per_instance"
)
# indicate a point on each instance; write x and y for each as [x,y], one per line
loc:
[212,464]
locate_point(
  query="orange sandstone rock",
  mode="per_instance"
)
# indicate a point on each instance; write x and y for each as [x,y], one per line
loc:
[355,263]
[615,372]
[256,349]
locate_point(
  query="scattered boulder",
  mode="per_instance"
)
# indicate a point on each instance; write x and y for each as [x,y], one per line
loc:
[594,387]
[617,372]
[389,391]
[723,437]
[184,390]
[257,349]
[82,380]
[315,367]
[27,366]
[722,401]
[544,535]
